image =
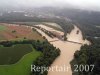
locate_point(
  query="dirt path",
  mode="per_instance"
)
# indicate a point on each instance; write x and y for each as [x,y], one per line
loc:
[67,51]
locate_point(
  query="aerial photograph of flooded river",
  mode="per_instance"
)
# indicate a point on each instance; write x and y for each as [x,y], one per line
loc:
[49,37]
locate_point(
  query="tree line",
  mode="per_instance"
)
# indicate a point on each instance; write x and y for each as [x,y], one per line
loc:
[88,55]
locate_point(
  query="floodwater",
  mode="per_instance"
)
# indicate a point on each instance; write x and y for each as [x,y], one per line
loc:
[62,63]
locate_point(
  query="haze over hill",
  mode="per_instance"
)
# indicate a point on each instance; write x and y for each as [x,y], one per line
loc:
[81,4]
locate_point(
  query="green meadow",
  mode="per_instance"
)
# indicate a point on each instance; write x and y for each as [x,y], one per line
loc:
[22,56]
[2,27]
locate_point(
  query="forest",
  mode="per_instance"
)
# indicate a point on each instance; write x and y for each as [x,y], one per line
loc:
[50,53]
[85,20]
[87,55]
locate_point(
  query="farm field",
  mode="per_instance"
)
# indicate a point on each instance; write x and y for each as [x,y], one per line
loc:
[22,67]
[13,54]
[2,28]
[17,32]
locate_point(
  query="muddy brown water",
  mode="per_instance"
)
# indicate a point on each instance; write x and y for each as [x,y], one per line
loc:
[62,63]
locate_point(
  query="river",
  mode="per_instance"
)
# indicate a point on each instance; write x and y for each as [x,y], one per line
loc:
[67,51]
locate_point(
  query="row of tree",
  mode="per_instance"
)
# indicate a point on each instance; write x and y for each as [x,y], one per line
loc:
[50,34]
[50,53]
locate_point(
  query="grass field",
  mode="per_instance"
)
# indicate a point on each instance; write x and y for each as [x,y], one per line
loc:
[2,28]
[22,67]
[11,55]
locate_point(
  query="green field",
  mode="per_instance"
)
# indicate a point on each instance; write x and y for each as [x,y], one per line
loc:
[22,67]
[2,28]
[11,55]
